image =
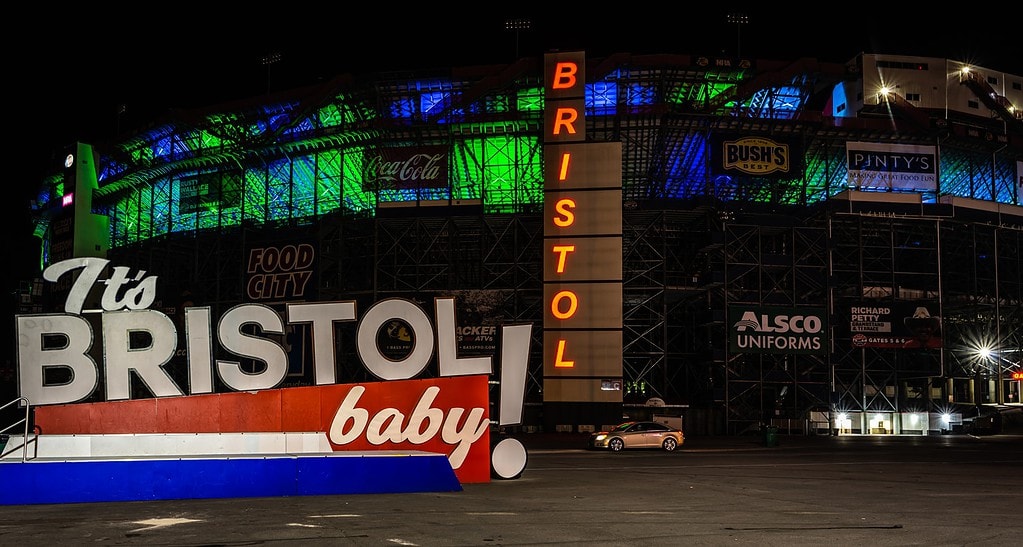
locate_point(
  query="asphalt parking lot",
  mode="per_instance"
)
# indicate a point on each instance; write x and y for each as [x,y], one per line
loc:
[944,490]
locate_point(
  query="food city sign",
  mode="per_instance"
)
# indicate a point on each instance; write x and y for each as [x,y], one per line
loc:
[279,272]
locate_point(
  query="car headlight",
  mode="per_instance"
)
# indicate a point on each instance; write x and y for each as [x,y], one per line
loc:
[600,437]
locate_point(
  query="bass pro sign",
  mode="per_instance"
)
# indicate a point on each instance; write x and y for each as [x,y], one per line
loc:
[759,329]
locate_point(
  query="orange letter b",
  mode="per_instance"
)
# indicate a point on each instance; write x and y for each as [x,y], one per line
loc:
[564,75]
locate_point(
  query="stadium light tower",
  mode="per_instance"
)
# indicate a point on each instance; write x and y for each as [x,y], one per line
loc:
[517,25]
[738,19]
[270,59]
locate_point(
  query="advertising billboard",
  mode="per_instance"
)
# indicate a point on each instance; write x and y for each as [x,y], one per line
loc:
[405,168]
[770,329]
[280,272]
[887,166]
[758,156]
[901,325]
[1019,183]
[209,191]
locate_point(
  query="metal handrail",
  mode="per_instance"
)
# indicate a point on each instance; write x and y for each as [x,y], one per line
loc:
[24,442]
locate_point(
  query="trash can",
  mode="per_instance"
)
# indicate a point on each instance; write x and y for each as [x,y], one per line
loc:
[771,435]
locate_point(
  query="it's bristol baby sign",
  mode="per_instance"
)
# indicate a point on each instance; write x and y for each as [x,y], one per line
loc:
[140,341]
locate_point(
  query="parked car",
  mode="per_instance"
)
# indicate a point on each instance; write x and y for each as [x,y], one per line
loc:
[638,434]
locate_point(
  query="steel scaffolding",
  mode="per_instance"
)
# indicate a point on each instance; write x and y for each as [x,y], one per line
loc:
[287,168]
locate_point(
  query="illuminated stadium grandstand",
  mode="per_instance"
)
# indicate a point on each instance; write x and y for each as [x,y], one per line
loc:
[821,246]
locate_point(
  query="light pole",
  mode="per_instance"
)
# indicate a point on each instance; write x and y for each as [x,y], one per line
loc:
[998,312]
[517,25]
[270,59]
[990,364]
[121,109]
[738,19]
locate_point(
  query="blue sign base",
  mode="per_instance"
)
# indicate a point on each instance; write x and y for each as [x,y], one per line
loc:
[140,479]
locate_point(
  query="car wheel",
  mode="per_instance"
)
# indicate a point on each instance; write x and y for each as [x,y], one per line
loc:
[670,444]
[616,444]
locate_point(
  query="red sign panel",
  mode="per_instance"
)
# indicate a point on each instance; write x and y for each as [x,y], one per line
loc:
[443,415]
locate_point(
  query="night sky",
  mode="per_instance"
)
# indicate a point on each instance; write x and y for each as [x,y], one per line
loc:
[71,70]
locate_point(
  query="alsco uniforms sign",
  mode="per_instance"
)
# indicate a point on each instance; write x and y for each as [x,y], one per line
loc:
[759,329]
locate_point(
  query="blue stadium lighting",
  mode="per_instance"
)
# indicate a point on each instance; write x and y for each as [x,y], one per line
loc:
[163,147]
[433,101]
[787,99]
[402,108]
[641,95]
[602,97]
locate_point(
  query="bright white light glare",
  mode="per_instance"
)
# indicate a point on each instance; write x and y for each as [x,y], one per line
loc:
[946,418]
[985,352]
[842,417]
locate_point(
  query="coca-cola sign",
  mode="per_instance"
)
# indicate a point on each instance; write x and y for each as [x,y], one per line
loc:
[406,168]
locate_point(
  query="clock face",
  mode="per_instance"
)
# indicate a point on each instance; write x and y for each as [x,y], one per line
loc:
[69,160]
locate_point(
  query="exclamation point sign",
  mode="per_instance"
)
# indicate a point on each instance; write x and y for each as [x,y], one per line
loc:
[508,458]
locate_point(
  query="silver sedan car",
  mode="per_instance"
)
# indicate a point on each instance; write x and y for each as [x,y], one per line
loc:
[638,435]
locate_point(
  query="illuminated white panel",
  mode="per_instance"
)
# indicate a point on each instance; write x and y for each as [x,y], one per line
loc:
[582,305]
[578,390]
[583,213]
[582,259]
[582,166]
[588,352]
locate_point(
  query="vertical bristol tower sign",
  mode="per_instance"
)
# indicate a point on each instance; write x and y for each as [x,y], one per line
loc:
[582,255]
